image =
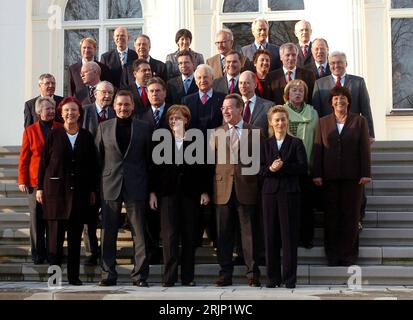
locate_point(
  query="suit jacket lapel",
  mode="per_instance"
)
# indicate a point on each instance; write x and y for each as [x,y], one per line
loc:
[257,109]
[131,139]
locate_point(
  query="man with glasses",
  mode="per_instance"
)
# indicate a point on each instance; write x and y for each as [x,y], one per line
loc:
[47,87]
[224,40]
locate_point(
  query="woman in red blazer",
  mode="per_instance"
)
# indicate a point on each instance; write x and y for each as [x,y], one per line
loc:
[283,161]
[341,165]
[30,153]
[68,182]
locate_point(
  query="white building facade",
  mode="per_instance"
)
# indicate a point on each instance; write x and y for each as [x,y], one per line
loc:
[42,36]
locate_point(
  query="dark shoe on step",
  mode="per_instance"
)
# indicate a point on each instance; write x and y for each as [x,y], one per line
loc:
[75,282]
[107,283]
[223,282]
[188,284]
[254,282]
[141,283]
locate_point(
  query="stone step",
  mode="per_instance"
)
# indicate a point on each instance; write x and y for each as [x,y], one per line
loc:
[390,187]
[11,162]
[9,151]
[206,274]
[392,158]
[8,174]
[389,203]
[392,146]
[381,172]
[14,203]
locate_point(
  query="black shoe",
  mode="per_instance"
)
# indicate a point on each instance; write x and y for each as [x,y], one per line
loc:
[107,283]
[38,260]
[306,244]
[254,282]
[92,260]
[75,282]
[290,285]
[273,284]
[141,283]
[188,284]
[168,284]
[223,282]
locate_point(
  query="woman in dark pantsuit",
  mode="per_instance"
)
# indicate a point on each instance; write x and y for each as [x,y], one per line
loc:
[283,161]
[341,166]
[67,185]
[178,189]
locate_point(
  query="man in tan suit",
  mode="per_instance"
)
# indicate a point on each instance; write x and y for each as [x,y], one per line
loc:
[224,40]
[235,192]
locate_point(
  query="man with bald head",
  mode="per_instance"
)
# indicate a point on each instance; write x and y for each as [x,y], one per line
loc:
[303,33]
[90,73]
[119,59]
[319,64]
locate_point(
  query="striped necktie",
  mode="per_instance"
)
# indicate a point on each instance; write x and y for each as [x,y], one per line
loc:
[156,118]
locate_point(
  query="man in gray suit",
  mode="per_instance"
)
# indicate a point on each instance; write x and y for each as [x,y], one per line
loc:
[124,148]
[360,100]
[93,114]
[255,108]
[260,30]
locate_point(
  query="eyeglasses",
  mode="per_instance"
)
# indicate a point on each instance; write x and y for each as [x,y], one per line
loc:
[104,92]
[221,42]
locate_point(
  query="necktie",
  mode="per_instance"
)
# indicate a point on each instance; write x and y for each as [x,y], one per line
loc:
[156,117]
[338,82]
[204,98]
[305,50]
[223,65]
[231,85]
[234,139]
[144,96]
[92,94]
[261,47]
[102,116]
[123,58]
[186,85]
[289,73]
[321,71]
[247,112]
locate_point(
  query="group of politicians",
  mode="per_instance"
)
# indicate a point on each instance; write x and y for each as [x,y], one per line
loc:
[87,156]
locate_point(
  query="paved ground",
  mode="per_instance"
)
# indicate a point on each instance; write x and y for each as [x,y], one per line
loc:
[90,291]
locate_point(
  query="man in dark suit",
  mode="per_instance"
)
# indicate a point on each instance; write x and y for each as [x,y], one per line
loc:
[88,52]
[278,79]
[229,82]
[124,148]
[360,100]
[205,105]
[47,87]
[183,85]
[319,64]
[93,114]
[90,73]
[235,193]
[303,33]
[260,31]
[120,59]
[142,48]
[142,73]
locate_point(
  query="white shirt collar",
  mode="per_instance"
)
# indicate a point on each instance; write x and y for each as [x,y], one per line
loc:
[209,93]
[161,108]
[189,77]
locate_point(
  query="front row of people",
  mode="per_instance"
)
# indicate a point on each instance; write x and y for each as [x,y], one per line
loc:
[68,185]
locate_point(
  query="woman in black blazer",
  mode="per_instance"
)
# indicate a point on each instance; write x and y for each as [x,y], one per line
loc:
[68,181]
[178,189]
[283,161]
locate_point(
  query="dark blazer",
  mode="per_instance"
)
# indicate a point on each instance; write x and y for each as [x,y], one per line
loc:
[158,69]
[276,84]
[66,176]
[147,117]
[83,96]
[301,60]
[172,63]
[249,50]
[345,155]
[139,106]
[74,80]
[293,154]
[30,115]
[229,175]
[169,178]
[215,63]
[90,117]
[360,100]
[313,67]
[208,116]
[259,114]
[221,85]
[176,91]
[112,60]
[127,172]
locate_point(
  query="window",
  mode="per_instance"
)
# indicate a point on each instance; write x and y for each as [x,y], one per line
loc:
[281,15]
[402,59]
[97,19]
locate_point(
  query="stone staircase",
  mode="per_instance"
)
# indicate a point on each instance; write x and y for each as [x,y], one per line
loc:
[386,242]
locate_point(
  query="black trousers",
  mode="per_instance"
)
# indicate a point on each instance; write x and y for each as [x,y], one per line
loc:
[38,228]
[342,201]
[308,204]
[57,230]
[135,211]
[179,220]
[226,224]
[281,230]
